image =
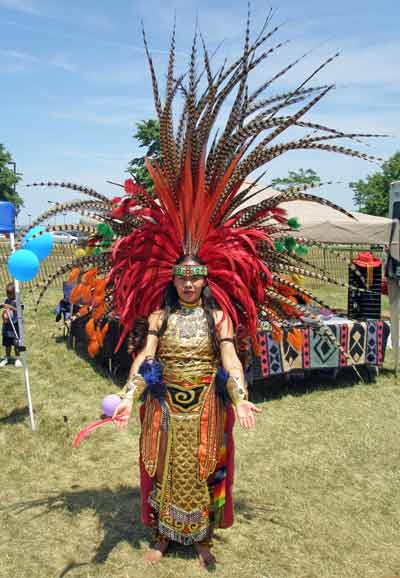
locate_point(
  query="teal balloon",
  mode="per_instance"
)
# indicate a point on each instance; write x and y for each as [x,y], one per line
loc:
[31,232]
[41,245]
[23,265]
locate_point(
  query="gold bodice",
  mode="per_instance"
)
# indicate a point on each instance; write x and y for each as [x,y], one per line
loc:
[185,349]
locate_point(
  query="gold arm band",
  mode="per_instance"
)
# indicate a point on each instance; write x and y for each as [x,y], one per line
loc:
[134,388]
[236,389]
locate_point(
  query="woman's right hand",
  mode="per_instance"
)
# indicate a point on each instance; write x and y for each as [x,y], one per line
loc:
[122,413]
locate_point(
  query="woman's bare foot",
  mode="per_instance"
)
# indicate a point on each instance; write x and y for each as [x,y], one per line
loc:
[154,555]
[206,558]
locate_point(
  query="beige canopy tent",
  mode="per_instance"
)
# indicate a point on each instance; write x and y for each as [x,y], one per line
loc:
[326,225]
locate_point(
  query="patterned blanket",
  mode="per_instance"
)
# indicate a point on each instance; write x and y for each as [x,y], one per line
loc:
[363,343]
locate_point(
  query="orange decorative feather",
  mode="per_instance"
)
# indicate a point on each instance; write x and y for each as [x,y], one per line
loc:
[93,348]
[75,294]
[73,275]
[90,328]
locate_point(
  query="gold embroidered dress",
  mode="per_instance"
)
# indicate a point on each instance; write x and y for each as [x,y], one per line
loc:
[182,435]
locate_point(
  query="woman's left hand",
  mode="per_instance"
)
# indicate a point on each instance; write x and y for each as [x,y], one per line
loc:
[245,411]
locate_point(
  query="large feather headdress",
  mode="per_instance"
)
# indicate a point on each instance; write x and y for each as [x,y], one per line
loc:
[201,204]
[197,209]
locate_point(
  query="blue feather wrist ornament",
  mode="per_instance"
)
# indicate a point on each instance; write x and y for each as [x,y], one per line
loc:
[152,372]
[220,384]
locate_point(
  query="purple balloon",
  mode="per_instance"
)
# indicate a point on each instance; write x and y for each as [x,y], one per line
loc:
[109,404]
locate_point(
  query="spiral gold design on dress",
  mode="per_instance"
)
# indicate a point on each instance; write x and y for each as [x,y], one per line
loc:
[185,397]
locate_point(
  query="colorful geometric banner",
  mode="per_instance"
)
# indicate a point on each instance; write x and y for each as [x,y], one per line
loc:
[362,342]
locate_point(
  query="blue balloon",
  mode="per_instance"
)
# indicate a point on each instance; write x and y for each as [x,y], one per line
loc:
[31,232]
[23,265]
[41,245]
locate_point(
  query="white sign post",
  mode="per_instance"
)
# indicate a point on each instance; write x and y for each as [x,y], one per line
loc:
[394,283]
[21,341]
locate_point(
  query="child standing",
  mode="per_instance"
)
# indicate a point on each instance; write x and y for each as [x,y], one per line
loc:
[10,330]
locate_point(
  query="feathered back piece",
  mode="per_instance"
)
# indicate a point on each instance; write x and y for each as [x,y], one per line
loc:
[199,206]
[203,204]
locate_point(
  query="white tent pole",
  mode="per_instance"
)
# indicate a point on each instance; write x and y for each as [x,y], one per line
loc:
[394,300]
[22,341]
[393,283]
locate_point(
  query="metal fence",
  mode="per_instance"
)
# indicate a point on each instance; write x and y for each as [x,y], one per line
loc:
[59,256]
[335,260]
[321,258]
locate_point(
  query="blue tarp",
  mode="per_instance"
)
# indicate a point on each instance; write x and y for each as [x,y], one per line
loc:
[7,217]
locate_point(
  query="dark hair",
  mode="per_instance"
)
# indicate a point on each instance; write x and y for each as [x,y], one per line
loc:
[10,287]
[137,337]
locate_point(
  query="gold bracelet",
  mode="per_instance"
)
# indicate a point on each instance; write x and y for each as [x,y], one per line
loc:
[236,389]
[134,387]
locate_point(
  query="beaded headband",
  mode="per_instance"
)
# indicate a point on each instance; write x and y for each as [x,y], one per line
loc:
[190,271]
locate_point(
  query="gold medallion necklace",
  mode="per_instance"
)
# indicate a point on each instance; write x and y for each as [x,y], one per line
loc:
[190,305]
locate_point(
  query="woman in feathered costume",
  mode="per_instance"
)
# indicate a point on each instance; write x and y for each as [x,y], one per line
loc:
[187,366]
[197,258]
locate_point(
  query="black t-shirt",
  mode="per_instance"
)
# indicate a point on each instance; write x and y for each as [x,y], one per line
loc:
[11,313]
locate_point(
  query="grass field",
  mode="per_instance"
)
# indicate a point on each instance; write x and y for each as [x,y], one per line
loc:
[317,483]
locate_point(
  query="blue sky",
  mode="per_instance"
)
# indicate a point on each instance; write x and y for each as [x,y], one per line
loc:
[74,80]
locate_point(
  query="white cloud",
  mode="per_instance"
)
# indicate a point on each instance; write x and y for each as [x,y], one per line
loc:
[27,6]
[61,61]
[374,65]
[115,101]
[20,61]
[85,117]
[20,56]
[36,198]
[374,121]
[94,19]
[96,156]
[106,118]
[359,63]
[12,61]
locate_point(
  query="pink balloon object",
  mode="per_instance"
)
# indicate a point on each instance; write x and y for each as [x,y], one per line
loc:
[109,404]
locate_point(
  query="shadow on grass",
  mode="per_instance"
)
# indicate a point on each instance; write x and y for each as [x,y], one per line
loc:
[387,371]
[245,511]
[60,338]
[297,384]
[115,371]
[118,513]
[269,513]
[18,415]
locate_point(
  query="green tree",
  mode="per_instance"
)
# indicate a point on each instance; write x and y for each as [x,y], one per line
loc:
[300,177]
[148,135]
[372,195]
[8,180]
